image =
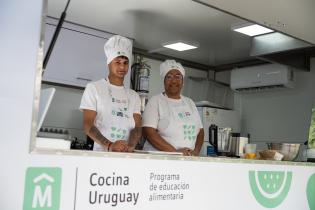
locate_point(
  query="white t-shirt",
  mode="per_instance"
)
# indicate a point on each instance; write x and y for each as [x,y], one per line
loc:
[176,120]
[115,106]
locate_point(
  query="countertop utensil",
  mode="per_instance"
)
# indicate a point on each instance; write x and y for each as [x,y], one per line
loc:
[289,150]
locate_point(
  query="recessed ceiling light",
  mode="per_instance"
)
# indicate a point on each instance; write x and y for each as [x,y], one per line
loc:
[180,46]
[251,29]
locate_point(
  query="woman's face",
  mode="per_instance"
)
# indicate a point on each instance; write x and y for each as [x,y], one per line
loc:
[118,67]
[173,82]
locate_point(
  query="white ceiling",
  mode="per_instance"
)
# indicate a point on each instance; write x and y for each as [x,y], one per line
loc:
[153,22]
[291,17]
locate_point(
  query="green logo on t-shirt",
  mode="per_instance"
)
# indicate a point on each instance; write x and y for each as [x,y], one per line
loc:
[189,132]
[118,133]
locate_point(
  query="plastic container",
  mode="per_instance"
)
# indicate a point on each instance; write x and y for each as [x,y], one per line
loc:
[250,151]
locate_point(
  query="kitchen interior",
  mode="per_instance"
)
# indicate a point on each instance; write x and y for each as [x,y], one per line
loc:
[248,89]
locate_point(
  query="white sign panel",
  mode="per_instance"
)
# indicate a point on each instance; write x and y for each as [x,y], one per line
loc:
[125,188]
[113,183]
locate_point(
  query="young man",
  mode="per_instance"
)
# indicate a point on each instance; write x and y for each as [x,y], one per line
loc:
[112,112]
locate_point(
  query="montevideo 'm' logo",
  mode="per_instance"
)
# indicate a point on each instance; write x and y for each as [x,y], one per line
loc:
[42,188]
[270,187]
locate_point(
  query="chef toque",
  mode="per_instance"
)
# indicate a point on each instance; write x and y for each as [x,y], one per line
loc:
[168,65]
[118,46]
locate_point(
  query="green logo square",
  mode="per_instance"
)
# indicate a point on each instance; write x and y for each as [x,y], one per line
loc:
[42,188]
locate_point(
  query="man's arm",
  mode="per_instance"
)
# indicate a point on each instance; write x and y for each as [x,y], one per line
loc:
[92,131]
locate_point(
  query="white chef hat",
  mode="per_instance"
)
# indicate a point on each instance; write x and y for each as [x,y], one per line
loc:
[168,65]
[118,46]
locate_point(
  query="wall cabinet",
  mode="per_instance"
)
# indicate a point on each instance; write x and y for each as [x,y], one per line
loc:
[78,56]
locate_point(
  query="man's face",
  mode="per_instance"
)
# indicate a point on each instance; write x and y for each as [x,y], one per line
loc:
[173,82]
[119,66]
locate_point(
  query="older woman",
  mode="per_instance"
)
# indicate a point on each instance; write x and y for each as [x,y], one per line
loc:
[171,121]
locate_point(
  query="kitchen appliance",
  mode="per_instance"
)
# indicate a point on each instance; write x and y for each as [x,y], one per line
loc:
[238,142]
[262,77]
[82,145]
[220,139]
[220,123]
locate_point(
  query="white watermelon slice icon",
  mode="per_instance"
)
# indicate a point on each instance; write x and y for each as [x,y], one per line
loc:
[270,187]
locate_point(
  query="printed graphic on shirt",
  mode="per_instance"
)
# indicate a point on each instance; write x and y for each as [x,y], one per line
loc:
[121,108]
[119,101]
[120,112]
[117,133]
[183,115]
[189,132]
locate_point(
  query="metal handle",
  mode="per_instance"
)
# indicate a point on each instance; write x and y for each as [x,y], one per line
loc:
[85,79]
[213,136]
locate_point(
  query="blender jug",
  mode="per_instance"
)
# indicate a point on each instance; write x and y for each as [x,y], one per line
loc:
[224,141]
[220,139]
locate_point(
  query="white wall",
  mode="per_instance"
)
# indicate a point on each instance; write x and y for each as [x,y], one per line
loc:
[20,47]
[282,115]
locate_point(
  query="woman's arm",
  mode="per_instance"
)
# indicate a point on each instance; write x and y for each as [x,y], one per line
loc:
[161,144]
[156,140]
[199,142]
[135,134]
